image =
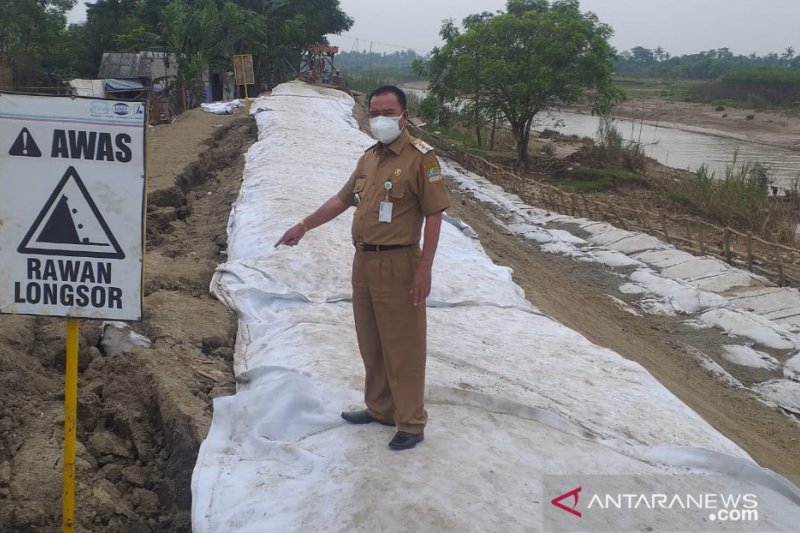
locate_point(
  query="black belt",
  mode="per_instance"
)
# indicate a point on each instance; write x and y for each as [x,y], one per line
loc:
[363,247]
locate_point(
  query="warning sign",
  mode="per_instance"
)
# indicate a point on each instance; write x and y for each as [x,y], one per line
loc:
[25,145]
[71,207]
[71,224]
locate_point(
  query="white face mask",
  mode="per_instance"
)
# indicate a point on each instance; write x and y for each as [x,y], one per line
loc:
[385,129]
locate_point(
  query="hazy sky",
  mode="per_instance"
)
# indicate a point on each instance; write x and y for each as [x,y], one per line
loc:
[679,26]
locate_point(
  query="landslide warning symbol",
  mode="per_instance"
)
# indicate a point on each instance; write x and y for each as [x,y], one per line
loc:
[25,145]
[70,224]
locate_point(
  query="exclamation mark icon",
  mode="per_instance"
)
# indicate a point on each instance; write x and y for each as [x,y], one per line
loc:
[25,145]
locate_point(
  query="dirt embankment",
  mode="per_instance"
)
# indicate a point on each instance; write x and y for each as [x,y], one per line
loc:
[142,414]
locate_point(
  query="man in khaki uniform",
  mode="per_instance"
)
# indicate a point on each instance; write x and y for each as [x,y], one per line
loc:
[397,184]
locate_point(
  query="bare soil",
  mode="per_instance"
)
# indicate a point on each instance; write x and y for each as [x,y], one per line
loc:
[143,414]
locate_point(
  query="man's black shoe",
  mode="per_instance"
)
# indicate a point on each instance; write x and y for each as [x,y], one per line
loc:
[362,417]
[405,441]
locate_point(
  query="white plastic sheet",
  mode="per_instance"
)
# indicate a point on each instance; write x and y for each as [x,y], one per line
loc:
[221,108]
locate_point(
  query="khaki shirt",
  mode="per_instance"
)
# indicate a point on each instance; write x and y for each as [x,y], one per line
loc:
[417,190]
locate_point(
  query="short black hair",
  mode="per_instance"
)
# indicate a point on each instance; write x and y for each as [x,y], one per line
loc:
[397,91]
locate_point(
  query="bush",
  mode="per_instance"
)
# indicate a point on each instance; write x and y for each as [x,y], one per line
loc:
[739,199]
[610,148]
[427,108]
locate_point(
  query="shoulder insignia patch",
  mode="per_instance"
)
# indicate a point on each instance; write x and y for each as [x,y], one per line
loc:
[421,145]
[432,171]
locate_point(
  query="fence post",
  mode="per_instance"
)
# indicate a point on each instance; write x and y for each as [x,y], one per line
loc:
[586,207]
[689,229]
[640,216]
[750,250]
[728,253]
[702,238]
[781,274]
[664,227]
[646,219]
[573,202]
[619,218]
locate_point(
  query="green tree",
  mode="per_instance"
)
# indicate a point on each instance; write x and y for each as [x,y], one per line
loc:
[105,20]
[291,27]
[532,57]
[31,38]
[206,32]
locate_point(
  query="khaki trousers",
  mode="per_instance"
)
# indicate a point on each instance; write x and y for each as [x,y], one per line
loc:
[391,336]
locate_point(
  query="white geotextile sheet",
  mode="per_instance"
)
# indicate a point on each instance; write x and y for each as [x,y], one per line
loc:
[670,281]
[512,395]
[221,108]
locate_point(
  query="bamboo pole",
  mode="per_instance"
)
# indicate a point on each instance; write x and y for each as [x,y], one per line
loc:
[728,253]
[702,236]
[646,219]
[620,220]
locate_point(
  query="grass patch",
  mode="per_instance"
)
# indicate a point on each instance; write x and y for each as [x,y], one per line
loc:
[464,138]
[586,186]
[616,178]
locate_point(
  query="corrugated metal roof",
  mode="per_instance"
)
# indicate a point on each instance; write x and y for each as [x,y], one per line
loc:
[137,65]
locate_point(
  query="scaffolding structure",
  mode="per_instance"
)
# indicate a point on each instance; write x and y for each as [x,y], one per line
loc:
[318,66]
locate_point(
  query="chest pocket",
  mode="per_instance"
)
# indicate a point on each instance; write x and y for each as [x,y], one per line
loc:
[398,189]
[358,189]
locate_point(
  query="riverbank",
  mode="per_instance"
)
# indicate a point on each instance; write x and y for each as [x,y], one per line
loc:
[770,128]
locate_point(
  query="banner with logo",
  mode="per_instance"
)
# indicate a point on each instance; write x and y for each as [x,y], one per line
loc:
[72,193]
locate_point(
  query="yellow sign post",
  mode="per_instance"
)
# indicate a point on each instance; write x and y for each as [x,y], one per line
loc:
[243,73]
[70,424]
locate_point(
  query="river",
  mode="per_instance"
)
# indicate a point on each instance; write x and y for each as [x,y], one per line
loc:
[674,146]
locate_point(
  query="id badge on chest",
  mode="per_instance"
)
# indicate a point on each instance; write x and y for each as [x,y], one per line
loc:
[385,212]
[385,209]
